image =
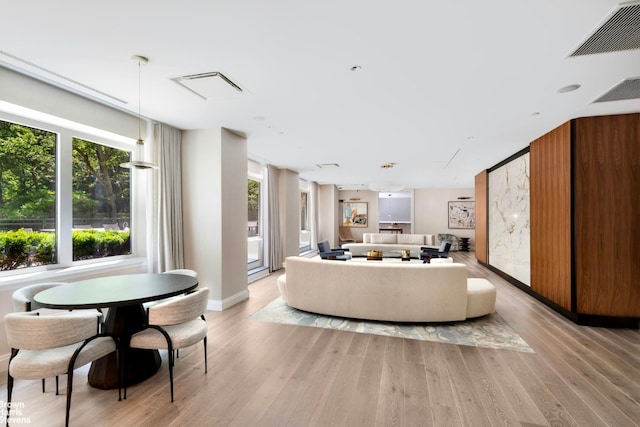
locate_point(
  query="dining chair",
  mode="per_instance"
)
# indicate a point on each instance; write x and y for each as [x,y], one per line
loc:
[23,298]
[173,324]
[184,271]
[47,345]
[23,302]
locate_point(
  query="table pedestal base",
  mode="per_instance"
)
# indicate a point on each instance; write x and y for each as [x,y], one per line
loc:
[140,364]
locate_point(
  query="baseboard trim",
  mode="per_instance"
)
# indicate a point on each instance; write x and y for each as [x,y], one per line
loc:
[578,318]
[220,305]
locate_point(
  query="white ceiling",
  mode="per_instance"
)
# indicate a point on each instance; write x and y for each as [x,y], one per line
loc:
[445,89]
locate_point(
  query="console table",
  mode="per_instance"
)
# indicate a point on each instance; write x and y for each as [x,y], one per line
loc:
[396,230]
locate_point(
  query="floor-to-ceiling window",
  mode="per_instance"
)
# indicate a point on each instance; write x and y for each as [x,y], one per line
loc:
[305,229]
[256,221]
[254,226]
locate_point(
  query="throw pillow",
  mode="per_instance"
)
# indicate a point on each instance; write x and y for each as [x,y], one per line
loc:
[411,239]
[384,238]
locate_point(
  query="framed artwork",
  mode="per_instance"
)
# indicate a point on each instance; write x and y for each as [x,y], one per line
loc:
[462,214]
[354,214]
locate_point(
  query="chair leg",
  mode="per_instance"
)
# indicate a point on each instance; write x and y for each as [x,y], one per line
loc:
[56,385]
[9,390]
[205,354]
[123,367]
[171,371]
[43,385]
[119,373]
[69,390]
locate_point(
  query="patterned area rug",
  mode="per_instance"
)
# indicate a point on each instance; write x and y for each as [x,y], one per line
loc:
[490,331]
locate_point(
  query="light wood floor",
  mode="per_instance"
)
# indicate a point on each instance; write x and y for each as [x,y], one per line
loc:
[263,374]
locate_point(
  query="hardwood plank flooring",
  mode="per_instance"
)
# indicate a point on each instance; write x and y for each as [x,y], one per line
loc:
[264,374]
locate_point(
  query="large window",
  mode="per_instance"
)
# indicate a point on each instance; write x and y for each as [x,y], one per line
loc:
[93,200]
[101,201]
[27,196]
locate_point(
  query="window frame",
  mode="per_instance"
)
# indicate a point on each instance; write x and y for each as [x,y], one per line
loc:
[64,189]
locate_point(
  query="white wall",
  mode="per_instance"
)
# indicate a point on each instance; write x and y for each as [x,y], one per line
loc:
[214,165]
[328,214]
[430,214]
[289,192]
[38,96]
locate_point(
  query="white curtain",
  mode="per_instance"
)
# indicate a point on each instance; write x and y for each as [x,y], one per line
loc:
[273,206]
[170,247]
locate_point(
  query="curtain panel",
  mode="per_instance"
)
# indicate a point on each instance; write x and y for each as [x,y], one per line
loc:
[170,246]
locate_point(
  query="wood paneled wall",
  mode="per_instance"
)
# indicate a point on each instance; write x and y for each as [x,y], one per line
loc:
[607,215]
[550,204]
[585,222]
[481,191]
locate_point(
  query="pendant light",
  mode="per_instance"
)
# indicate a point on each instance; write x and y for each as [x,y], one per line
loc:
[138,153]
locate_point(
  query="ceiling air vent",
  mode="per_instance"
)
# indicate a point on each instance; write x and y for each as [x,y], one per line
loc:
[211,85]
[621,31]
[627,89]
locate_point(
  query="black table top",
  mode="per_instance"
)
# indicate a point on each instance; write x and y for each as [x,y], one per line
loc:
[114,291]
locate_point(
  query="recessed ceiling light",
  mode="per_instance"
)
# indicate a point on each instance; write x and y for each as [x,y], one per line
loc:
[569,88]
[387,165]
[356,68]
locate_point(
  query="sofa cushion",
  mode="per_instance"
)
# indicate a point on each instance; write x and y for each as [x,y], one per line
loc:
[384,238]
[411,239]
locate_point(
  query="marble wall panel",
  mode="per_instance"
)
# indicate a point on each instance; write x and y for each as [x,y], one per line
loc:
[509,232]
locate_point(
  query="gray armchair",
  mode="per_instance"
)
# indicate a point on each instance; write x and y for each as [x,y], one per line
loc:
[428,253]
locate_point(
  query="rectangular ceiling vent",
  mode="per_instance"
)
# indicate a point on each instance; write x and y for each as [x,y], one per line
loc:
[621,31]
[626,89]
[213,85]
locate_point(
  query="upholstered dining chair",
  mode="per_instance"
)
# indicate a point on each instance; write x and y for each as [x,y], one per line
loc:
[173,324]
[23,298]
[184,271]
[23,302]
[47,345]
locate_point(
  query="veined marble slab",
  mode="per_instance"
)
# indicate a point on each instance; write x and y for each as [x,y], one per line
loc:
[509,219]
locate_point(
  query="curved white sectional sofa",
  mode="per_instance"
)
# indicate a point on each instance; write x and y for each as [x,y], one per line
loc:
[386,291]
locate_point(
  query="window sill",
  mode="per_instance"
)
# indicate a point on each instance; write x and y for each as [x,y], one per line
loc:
[124,265]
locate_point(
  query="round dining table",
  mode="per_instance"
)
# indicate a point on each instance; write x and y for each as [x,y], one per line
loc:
[123,295]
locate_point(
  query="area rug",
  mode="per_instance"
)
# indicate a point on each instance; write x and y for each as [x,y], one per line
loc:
[490,331]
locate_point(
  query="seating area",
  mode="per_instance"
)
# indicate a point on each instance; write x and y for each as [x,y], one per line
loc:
[390,242]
